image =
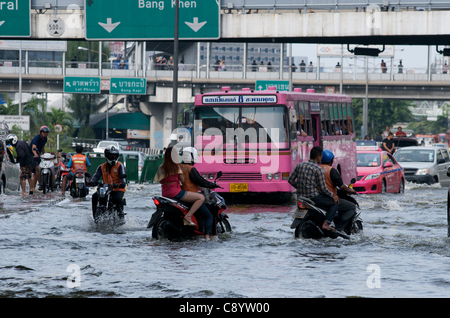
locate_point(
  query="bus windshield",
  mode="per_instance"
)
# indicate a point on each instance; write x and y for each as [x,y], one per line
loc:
[253,125]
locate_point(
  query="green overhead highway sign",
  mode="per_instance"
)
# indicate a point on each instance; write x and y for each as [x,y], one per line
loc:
[82,85]
[15,18]
[127,85]
[151,20]
[262,85]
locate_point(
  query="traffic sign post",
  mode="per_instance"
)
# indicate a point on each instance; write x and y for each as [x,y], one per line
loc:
[127,85]
[151,20]
[15,18]
[262,85]
[82,85]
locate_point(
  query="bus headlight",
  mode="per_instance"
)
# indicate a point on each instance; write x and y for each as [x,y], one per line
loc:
[269,176]
[276,176]
[210,176]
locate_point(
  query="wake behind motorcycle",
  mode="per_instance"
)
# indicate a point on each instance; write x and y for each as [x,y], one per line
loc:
[167,221]
[107,213]
[308,220]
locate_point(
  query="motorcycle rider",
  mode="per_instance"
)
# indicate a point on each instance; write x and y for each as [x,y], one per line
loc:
[112,172]
[193,180]
[37,146]
[309,181]
[78,161]
[333,179]
[24,157]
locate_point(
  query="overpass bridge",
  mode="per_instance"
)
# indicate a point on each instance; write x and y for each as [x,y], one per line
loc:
[423,85]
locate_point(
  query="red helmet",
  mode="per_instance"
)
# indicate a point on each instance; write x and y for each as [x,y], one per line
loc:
[44,129]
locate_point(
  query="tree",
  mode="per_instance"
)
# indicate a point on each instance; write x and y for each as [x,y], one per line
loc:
[382,112]
[82,106]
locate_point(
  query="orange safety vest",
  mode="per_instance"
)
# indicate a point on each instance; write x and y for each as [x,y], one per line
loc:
[188,185]
[327,173]
[111,176]
[79,162]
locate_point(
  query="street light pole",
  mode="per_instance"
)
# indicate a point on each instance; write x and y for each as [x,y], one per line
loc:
[175,68]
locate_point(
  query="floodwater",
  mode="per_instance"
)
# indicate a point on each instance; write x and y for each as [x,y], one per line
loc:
[49,247]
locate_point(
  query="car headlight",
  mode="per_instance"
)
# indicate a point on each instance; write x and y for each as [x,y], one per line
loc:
[421,172]
[372,176]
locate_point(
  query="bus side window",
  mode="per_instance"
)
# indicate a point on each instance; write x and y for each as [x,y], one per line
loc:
[350,117]
[325,117]
[307,122]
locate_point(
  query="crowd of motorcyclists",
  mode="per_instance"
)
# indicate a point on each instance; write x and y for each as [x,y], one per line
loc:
[315,179]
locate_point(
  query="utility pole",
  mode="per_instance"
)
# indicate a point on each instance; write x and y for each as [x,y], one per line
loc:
[175,68]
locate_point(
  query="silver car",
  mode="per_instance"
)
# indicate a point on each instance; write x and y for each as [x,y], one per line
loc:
[425,164]
[9,175]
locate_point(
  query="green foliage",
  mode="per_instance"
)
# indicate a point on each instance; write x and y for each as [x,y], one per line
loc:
[424,126]
[83,106]
[383,112]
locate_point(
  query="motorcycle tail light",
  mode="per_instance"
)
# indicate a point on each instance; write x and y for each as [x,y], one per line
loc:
[156,201]
[300,205]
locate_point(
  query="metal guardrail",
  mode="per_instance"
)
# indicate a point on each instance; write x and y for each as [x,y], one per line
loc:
[353,72]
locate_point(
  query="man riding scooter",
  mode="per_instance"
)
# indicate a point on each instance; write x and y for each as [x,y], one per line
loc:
[112,172]
[78,161]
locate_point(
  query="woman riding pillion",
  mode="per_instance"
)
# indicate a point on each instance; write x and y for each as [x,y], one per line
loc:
[193,180]
[170,176]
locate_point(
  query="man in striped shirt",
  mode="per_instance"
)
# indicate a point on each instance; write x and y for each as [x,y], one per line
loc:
[309,180]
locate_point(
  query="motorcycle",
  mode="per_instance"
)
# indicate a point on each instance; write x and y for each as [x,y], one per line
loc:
[308,219]
[107,213]
[63,170]
[167,221]
[78,188]
[47,172]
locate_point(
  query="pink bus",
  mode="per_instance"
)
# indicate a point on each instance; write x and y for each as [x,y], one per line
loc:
[257,138]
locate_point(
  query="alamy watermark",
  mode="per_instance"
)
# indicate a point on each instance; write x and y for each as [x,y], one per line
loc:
[374,279]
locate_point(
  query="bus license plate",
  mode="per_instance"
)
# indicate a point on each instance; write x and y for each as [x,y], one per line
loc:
[300,214]
[238,187]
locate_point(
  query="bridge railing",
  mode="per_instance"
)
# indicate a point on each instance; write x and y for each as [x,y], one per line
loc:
[233,71]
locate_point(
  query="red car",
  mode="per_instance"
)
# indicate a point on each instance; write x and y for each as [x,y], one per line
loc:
[378,172]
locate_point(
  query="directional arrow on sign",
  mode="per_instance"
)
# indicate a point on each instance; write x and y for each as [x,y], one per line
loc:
[109,26]
[1,22]
[195,25]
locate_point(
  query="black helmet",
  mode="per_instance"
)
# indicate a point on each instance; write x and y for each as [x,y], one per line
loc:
[79,148]
[44,129]
[112,155]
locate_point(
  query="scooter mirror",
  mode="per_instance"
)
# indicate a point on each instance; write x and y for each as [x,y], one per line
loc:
[353,180]
[219,174]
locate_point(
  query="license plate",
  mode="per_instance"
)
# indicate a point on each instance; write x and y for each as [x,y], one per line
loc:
[238,187]
[300,214]
[80,180]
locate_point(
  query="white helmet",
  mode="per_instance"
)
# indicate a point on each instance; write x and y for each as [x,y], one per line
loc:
[190,155]
[12,140]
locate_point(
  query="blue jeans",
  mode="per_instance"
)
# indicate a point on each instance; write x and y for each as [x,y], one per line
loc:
[206,218]
[326,203]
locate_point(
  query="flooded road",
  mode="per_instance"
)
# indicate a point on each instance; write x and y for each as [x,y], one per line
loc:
[403,252]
